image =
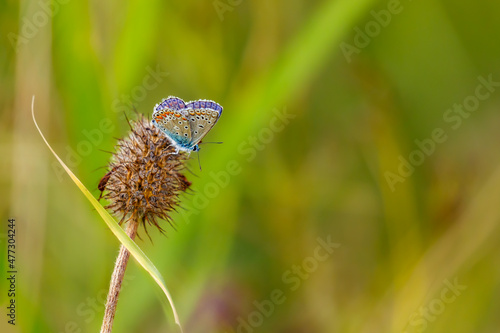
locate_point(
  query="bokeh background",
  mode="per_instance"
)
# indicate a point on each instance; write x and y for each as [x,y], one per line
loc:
[366,85]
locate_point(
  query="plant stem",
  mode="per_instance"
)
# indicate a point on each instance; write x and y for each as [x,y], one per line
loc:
[117,278]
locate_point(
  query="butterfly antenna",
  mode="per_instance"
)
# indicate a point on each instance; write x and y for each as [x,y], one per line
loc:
[191,172]
[199,161]
[202,143]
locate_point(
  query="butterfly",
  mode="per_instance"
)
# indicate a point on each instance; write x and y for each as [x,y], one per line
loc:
[186,124]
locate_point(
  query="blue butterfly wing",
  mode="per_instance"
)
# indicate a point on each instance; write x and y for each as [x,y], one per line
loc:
[171,102]
[173,121]
[202,116]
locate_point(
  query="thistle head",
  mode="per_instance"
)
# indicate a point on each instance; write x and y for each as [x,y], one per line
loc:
[145,176]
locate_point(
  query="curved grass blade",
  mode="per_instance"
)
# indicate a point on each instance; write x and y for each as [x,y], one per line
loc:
[136,252]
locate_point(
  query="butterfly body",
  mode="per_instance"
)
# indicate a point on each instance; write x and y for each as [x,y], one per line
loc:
[186,124]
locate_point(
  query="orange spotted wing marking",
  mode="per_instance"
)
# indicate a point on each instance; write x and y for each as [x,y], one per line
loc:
[202,115]
[174,121]
[201,121]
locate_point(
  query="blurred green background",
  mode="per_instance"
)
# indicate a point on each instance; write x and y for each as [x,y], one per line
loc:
[390,151]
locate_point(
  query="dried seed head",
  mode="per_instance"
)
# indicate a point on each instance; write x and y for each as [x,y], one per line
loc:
[145,179]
